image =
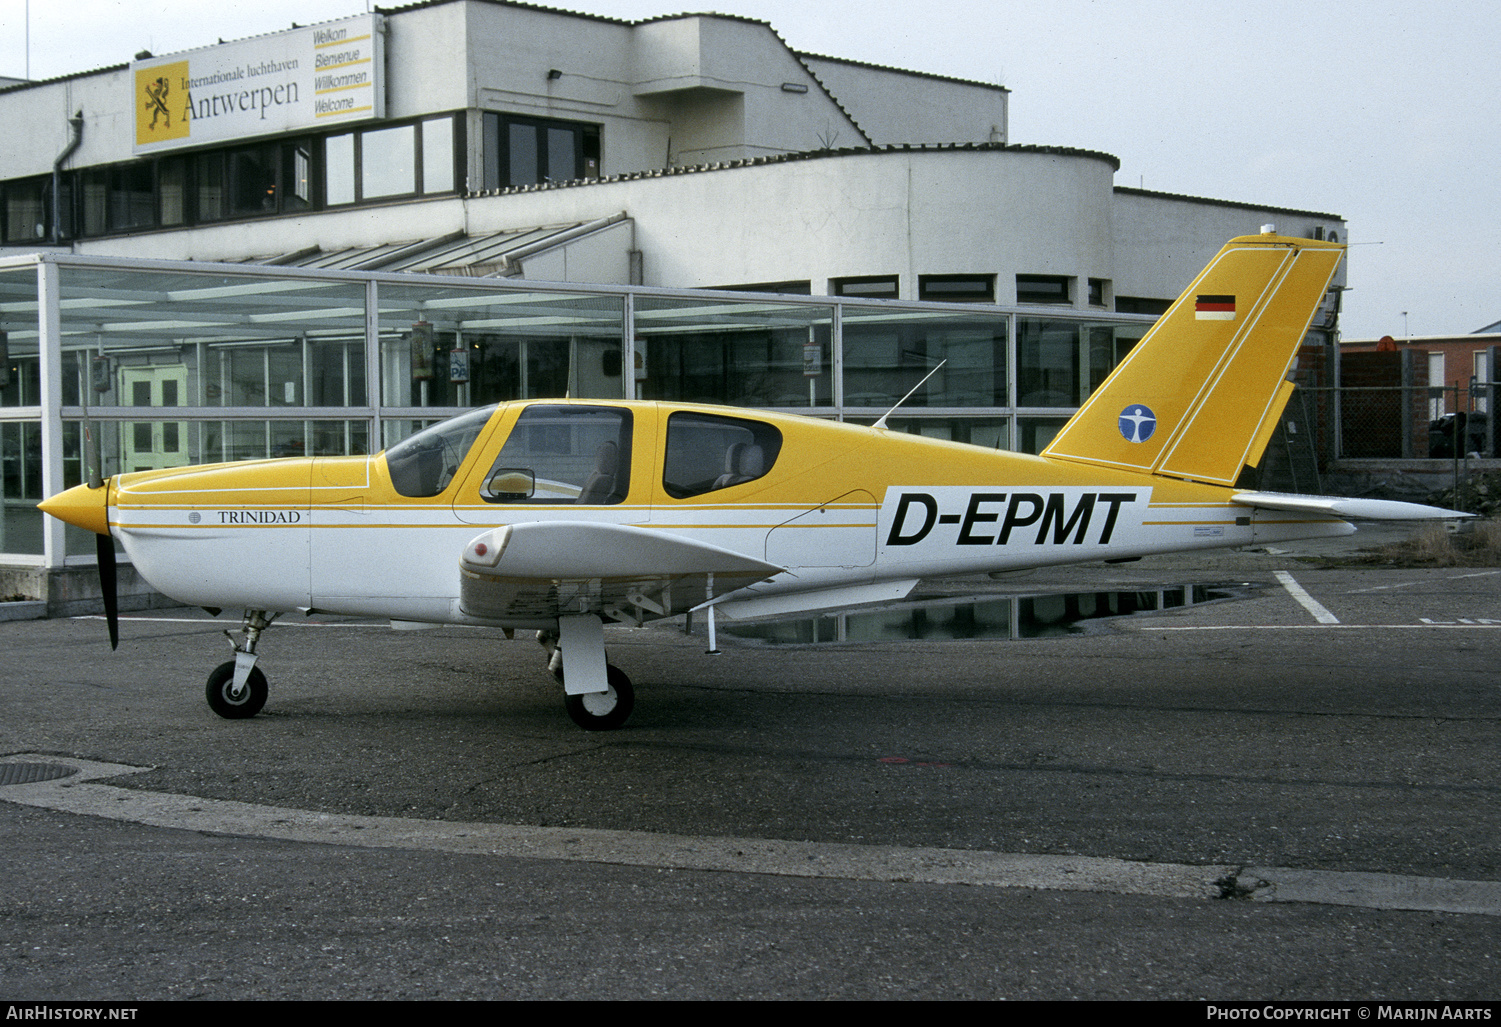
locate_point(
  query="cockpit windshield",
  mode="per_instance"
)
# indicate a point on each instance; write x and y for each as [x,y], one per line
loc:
[424,464]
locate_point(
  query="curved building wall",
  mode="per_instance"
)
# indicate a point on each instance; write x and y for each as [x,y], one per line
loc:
[1166,234]
[982,211]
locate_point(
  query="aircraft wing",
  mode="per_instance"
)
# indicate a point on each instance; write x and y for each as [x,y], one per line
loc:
[1365,509]
[546,569]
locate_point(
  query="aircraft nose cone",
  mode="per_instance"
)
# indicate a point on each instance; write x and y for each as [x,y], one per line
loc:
[82,507]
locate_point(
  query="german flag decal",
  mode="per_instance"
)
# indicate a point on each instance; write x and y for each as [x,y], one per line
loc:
[1214,308]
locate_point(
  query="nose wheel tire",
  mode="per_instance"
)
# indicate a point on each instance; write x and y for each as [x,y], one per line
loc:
[603,711]
[221,684]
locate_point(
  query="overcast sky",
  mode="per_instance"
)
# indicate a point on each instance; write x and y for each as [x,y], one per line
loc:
[1384,113]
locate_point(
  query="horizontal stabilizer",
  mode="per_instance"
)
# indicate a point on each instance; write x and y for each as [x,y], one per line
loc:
[1361,509]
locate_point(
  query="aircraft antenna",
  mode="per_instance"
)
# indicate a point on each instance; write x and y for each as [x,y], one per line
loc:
[882,422]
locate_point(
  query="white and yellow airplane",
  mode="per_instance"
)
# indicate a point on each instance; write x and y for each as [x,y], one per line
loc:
[561,516]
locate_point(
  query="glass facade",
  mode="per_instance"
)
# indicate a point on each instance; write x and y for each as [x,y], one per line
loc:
[449,345]
[741,352]
[160,364]
[888,352]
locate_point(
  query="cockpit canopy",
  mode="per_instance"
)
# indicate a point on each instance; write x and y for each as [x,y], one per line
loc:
[581,454]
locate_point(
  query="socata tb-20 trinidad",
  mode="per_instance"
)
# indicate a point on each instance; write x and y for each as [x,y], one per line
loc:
[560,516]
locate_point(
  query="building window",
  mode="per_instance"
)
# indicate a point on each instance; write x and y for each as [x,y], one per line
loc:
[1052,289]
[437,155]
[1141,305]
[132,199]
[393,160]
[799,288]
[297,175]
[27,218]
[956,288]
[210,186]
[871,287]
[173,176]
[388,162]
[338,169]
[1437,380]
[532,151]
[251,180]
[1097,289]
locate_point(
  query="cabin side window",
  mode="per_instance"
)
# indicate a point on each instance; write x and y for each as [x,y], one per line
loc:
[706,453]
[424,464]
[563,454]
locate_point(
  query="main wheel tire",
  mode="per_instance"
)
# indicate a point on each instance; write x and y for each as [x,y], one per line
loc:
[607,710]
[221,683]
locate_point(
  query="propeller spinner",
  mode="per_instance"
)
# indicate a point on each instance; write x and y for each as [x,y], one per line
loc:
[87,507]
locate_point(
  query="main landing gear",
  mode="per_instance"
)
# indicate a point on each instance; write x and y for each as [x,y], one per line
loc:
[597,695]
[237,689]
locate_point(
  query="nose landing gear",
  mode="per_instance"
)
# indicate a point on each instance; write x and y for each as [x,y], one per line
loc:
[237,689]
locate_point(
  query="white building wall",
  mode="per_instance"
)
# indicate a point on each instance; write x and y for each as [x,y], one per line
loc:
[719,81]
[104,98]
[895,106]
[909,212]
[423,72]
[1165,233]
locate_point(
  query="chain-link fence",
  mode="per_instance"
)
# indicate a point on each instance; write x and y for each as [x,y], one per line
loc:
[1449,428]
[1402,422]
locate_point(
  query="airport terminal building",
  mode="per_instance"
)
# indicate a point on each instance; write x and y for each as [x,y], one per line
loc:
[320,239]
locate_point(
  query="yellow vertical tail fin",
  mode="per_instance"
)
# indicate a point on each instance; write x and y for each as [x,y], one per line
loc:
[1199,395]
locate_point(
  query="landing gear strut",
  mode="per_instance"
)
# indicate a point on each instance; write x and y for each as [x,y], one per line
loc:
[597,695]
[237,689]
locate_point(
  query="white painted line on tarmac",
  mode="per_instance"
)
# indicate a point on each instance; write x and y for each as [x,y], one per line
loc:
[1383,588]
[1426,626]
[82,794]
[1308,602]
[1409,584]
[206,622]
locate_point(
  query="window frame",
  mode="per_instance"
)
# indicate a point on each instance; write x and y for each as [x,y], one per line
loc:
[931,288]
[496,149]
[1044,289]
[420,161]
[892,287]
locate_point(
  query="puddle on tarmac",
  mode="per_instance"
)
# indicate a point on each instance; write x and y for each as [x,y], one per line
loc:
[1009,617]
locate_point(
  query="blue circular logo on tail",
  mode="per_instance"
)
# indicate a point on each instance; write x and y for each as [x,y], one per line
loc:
[1137,423]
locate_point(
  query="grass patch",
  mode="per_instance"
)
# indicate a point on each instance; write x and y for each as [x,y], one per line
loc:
[1477,544]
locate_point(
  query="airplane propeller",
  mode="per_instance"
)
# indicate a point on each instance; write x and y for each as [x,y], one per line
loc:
[105,547]
[104,543]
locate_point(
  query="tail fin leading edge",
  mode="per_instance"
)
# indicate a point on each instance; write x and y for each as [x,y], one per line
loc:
[1198,396]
